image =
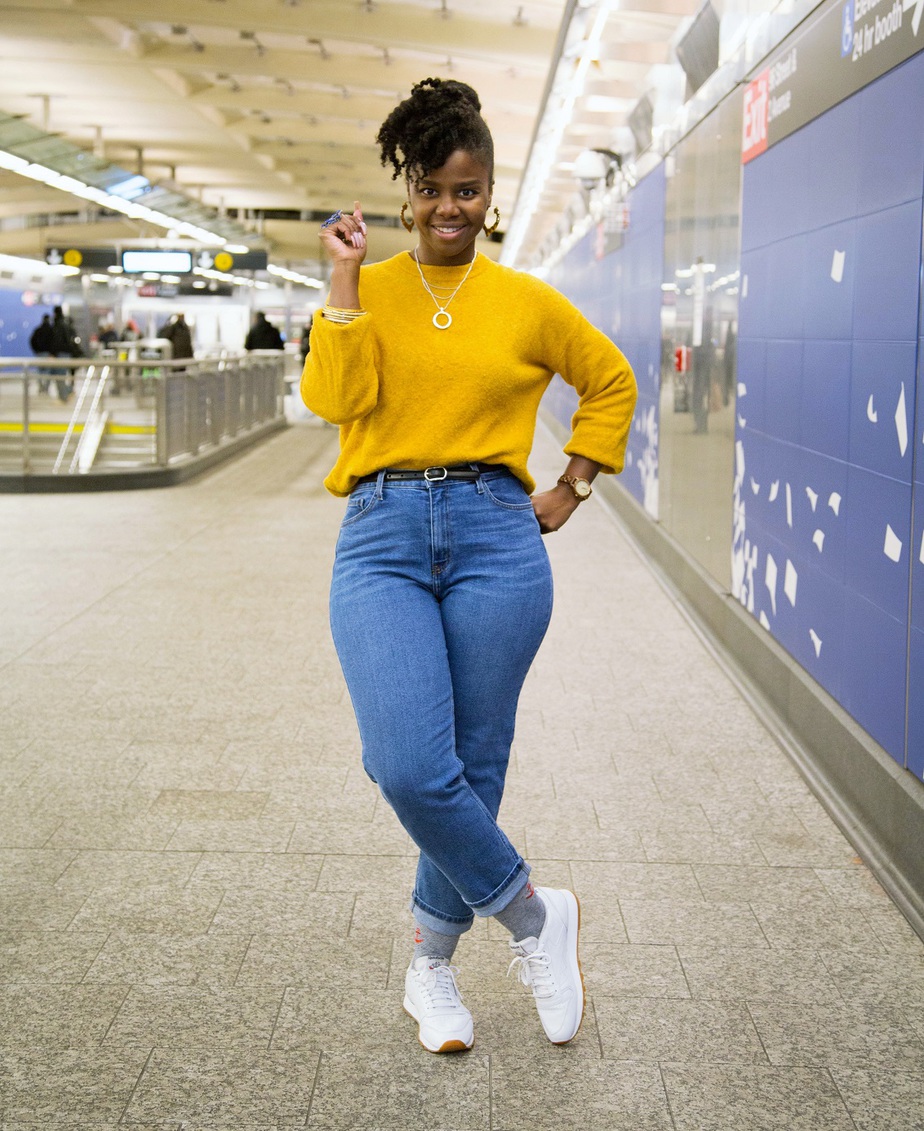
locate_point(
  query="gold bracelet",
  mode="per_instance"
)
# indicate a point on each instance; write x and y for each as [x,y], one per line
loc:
[342,317]
[345,310]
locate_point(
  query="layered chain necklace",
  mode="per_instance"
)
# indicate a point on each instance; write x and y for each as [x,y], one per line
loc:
[442,302]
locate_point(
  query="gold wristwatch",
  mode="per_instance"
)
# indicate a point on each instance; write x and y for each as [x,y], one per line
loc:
[580,488]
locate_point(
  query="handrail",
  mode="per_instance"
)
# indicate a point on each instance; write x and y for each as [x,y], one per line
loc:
[72,423]
[94,425]
[155,413]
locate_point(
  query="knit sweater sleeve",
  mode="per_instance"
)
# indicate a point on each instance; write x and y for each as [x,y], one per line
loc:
[603,379]
[340,379]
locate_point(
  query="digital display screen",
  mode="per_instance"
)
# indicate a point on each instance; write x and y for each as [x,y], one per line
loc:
[175,262]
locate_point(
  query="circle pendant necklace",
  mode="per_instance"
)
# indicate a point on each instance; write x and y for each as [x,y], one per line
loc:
[441,311]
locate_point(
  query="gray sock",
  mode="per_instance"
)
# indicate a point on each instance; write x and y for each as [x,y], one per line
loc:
[524,915]
[432,944]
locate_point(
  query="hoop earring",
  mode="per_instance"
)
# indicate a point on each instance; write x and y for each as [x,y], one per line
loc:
[490,231]
[407,224]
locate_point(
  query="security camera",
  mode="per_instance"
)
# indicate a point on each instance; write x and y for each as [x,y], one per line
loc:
[590,168]
[595,165]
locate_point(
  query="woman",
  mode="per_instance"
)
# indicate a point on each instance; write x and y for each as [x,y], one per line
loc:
[433,363]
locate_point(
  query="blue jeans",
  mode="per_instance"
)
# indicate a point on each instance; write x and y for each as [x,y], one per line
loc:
[440,598]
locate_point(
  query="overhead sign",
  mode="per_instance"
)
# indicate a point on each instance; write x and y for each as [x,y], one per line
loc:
[232,261]
[147,259]
[165,261]
[92,258]
[843,47]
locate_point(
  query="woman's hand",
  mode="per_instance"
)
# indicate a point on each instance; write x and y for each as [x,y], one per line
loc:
[554,508]
[344,238]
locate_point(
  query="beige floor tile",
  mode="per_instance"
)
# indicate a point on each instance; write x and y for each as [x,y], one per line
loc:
[449,1093]
[83,1087]
[225,1088]
[195,1017]
[598,1094]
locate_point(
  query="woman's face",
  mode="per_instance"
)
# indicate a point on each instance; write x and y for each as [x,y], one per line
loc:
[449,206]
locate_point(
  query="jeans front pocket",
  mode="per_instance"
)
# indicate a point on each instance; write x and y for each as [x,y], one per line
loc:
[359,504]
[508,492]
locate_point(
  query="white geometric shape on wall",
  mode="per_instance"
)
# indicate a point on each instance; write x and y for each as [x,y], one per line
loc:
[819,539]
[739,459]
[789,506]
[871,414]
[922,549]
[789,585]
[834,502]
[893,545]
[764,623]
[742,389]
[901,422]
[744,287]
[774,490]
[770,576]
[755,487]
[742,422]
[816,640]
[812,498]
[837,266]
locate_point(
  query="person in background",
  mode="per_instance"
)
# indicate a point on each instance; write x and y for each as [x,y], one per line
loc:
[41,343]
[130,332]
[107,336]
[177,334]
[262,335]
[65,343]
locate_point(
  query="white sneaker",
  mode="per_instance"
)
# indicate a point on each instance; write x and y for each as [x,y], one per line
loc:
[432,998]
[549,966]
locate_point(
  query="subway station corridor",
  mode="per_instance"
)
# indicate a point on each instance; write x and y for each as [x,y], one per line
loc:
[203,914]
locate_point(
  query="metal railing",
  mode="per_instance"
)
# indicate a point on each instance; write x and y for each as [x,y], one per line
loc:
[58,415]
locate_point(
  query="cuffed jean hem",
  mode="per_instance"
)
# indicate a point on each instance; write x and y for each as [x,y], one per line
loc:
[497,901]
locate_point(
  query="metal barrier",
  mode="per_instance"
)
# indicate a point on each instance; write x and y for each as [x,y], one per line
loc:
[130,413]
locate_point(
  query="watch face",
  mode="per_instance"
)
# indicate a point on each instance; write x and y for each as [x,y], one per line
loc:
[582,488]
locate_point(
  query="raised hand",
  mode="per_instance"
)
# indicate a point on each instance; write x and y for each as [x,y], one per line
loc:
[344,236]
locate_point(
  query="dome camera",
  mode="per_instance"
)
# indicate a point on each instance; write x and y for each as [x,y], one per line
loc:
[595,165]
[590,168]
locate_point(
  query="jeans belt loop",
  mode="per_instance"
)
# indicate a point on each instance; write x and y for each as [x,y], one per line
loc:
[435,478]
[380,484]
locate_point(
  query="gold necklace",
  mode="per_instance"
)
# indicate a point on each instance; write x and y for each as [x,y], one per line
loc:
[441,310]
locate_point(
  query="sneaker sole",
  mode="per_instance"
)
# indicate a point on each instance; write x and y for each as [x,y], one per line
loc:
[446,1046]
[574,916]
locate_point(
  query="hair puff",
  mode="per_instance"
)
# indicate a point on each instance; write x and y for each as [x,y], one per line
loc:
[439,117]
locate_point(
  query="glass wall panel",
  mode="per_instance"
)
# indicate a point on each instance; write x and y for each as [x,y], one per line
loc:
[699,323]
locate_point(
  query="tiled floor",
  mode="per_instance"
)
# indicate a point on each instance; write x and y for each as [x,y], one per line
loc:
[203,901]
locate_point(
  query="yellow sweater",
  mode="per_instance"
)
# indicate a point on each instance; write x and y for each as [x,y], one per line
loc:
[406,394]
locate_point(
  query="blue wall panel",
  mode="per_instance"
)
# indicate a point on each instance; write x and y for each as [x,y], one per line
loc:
[890,154]
[830,266]
[882,384]
[824,397]
[873,679]
[831,415]
[888,268]
[621,293]
[830,192]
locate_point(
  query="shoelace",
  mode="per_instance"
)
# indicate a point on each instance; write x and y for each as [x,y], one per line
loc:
[535,971]
[439,984]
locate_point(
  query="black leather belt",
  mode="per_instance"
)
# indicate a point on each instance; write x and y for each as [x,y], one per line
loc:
[437,474]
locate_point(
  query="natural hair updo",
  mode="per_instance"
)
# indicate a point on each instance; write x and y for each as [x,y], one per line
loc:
[421,133]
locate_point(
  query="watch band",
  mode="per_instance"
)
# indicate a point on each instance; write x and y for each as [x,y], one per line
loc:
[580,488]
